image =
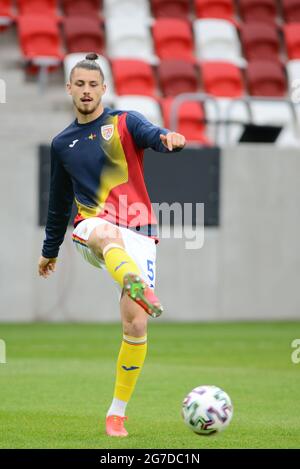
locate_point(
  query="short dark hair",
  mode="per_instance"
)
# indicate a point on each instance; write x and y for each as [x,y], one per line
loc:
[89,63]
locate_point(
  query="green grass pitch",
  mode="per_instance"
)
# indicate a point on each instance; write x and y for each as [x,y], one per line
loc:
[58,380]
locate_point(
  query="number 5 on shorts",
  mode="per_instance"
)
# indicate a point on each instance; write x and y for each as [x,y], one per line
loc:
[150,270]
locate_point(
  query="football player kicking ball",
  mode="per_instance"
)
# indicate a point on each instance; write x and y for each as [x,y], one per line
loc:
[98,160]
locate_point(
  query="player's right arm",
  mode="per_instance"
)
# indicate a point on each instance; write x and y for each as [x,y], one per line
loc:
[59,211]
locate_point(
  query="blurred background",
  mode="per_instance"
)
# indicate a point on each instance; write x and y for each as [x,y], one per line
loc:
[224,73]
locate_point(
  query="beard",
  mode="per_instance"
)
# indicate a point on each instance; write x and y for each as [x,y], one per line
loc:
[86,111]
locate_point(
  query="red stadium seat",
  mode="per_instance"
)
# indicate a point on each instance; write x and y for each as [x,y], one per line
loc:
[292,40]
[39,37]
[177,76]
[173,39]
[291,10]
[223,9]
[258,10]
[37,7]
[82,7]
[6,13]
[83,34]
[260,41]
[266,78]
[170,8]
[191,120]
[222,79]
[133,77]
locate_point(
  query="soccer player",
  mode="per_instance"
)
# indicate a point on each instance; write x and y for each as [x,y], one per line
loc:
[98,160]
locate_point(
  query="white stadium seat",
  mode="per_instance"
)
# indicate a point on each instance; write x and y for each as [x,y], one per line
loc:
[149,107]
[129,38]
[217,40]
[127,9]
[277,113]
[228,109]
[72,59]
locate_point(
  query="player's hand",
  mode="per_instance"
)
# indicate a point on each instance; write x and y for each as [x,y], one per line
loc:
[46,266]
[172,140]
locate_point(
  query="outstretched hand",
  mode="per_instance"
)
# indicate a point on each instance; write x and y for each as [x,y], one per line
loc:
[46,266]
[172,140]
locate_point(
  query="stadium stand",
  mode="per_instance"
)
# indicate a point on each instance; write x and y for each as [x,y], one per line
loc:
[292,40]
[266,78]
[222,9]
[139,9]
[291,11]
[173,39]
[133,77]
[258,10]
[230,52]
[217,40]
[143,104]
[83,33]
[38,7]
[171,8]
[128,38]
[81,7]
[260,41]
[177,76]
[222,79]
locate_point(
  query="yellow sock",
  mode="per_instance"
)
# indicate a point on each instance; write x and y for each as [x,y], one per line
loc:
[119,263]
[130,362]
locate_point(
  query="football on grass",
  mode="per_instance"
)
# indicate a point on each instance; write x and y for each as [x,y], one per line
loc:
[207,410]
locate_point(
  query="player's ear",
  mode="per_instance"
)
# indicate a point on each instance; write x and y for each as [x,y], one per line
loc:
[68,88]
[104,88]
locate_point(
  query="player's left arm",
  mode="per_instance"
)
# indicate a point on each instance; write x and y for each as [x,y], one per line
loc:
[148,135]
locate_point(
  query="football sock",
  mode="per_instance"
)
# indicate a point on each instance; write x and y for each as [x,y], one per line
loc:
[130,362]
[119,263]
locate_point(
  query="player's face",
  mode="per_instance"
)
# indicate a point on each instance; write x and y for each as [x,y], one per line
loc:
[86,88]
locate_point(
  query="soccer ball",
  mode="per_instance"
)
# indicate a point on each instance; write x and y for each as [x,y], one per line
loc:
[207,409]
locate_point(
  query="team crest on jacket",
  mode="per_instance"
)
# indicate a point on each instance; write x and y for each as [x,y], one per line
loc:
[107,131]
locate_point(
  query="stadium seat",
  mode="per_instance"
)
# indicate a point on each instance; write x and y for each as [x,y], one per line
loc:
[82,7]
[230,115]
[6,13]
[258,10]
[173,39]
[217,40]
[191,120]
[133,77]
[177,76]
[147,106]
[277,113]
[83,33]
[170,8]
[39,39]
[266,78]
[222,9]
[128,38]
[126,8]
[37,7]
[222,79]
[291,10]
[71,60]
[260,41]
[292,40]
